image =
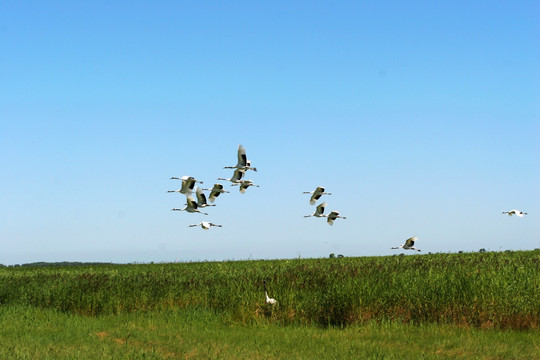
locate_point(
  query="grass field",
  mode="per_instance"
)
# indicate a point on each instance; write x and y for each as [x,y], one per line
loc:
[473,305]
[31,333]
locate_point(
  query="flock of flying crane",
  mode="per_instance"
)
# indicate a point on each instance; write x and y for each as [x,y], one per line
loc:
[237,179]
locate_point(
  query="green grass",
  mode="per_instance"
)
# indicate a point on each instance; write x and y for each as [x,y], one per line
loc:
[500,290]
[30,333]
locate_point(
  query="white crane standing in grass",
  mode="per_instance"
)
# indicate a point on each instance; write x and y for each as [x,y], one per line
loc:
[188,183]
[191,206]
[244,184]
[333,216]
[243,162]
[319,211]
[205,225]
[269,300]
[237,176]
[408,245]
[515,212]
[317,193]
[201,198]
[215,192]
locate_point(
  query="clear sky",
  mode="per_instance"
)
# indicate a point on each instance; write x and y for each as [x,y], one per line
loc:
[422,118]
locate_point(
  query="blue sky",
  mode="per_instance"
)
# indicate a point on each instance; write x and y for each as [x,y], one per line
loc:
[421,119]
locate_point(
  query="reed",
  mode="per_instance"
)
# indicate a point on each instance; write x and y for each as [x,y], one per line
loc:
[490,289]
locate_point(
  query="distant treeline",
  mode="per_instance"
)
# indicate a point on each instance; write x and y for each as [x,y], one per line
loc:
[79,263]
[58,263]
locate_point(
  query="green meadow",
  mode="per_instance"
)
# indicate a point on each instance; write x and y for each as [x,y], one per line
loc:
[469,306]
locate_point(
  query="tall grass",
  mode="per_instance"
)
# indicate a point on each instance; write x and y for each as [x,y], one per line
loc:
[491,289]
